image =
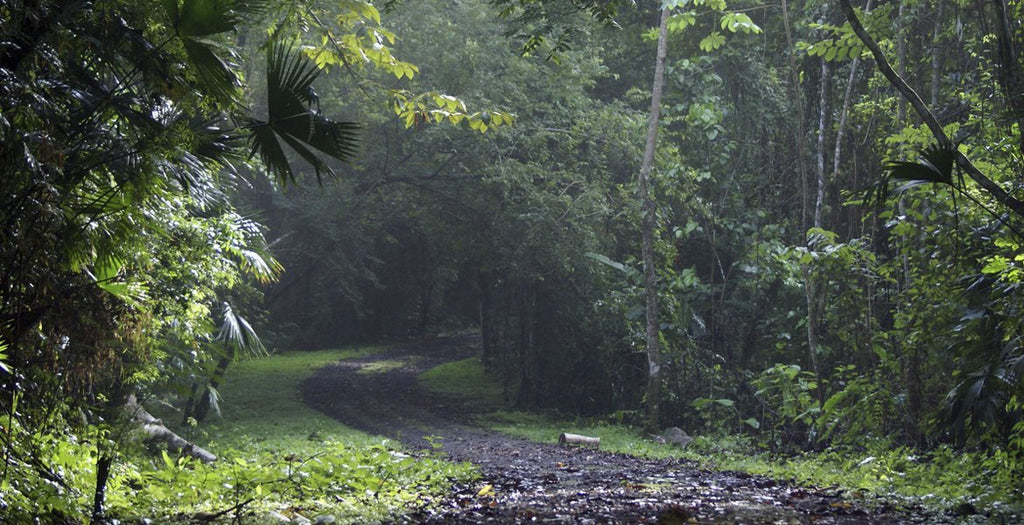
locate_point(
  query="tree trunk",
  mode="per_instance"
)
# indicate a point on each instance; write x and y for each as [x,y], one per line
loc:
[845,111]
[813,291]
[798,100]
[156,431]
[203,408]
[648,218]
[936,34]
[103,463]
[901,61]
[823,107]
[576,439]
[1011,73]
[488,335]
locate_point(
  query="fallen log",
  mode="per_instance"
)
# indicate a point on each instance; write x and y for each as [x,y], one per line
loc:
[576,439]
[156,431]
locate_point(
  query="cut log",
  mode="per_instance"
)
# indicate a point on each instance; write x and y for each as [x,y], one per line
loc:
[156,431]
[576,439]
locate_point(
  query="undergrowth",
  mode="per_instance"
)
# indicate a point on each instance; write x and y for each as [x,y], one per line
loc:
[277,460]
[290,459]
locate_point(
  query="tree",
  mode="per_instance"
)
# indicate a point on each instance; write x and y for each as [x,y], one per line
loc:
[125,130]
[648,219]
[1010,80]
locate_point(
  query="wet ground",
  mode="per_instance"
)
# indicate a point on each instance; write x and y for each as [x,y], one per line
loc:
[526,482]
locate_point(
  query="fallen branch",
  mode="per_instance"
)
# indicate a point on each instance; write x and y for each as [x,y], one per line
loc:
[155,430]
[576,439]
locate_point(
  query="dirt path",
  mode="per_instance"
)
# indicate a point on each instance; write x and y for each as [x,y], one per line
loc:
[550,484]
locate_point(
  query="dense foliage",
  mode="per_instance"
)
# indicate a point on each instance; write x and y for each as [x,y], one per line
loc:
[837,228]
[126,131]
[819,285]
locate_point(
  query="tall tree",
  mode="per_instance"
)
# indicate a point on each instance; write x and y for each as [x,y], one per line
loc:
[649,219]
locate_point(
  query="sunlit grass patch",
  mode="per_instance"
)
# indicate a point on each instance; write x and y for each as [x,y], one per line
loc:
[547,428]
[261,402]
[466,380]
[379,367]
[279,459]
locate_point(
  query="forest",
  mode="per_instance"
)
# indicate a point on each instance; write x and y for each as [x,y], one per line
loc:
[793,225]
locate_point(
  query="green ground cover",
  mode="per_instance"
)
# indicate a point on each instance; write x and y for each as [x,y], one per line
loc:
[281,459]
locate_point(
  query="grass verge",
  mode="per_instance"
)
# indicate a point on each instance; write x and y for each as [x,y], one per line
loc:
[280,459]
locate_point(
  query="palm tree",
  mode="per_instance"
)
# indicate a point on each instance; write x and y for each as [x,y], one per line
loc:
[238,339]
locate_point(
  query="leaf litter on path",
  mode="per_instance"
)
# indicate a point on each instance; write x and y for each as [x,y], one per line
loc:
[527,482]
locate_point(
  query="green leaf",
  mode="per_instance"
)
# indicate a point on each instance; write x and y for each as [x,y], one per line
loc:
[168,462]
[213,72]
[715,5]
[291,119]
[681,21]
[3,357]
[205,17]
[996,264]
[197,18]
[934,167]
[603,259]
[739,22]
[712,42]
[237,334]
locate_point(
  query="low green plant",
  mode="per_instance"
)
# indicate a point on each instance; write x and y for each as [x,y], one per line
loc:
[50,478]
[790,406]
[276,456]
[355,484]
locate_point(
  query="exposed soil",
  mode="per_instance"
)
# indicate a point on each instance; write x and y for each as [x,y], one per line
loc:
[548,483]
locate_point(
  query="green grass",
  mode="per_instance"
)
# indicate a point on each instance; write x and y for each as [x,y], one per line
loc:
[546,429]
[278,456]
[465,379]
[261,404]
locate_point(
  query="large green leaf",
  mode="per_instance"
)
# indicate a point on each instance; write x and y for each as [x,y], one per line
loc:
[3,357]
[197,20]
[935,166]
[291,119]
[238,335]
[213,72]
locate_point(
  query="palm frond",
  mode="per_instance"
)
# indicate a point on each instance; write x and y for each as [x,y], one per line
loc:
[214,73]
[291,119]
[200,18]
[934,167]
[196,20]
[238,335]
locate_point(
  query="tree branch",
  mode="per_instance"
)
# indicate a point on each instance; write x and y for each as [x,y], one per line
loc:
[997,192]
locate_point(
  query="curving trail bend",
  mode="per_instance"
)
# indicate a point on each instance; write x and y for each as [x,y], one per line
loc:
[547,483]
